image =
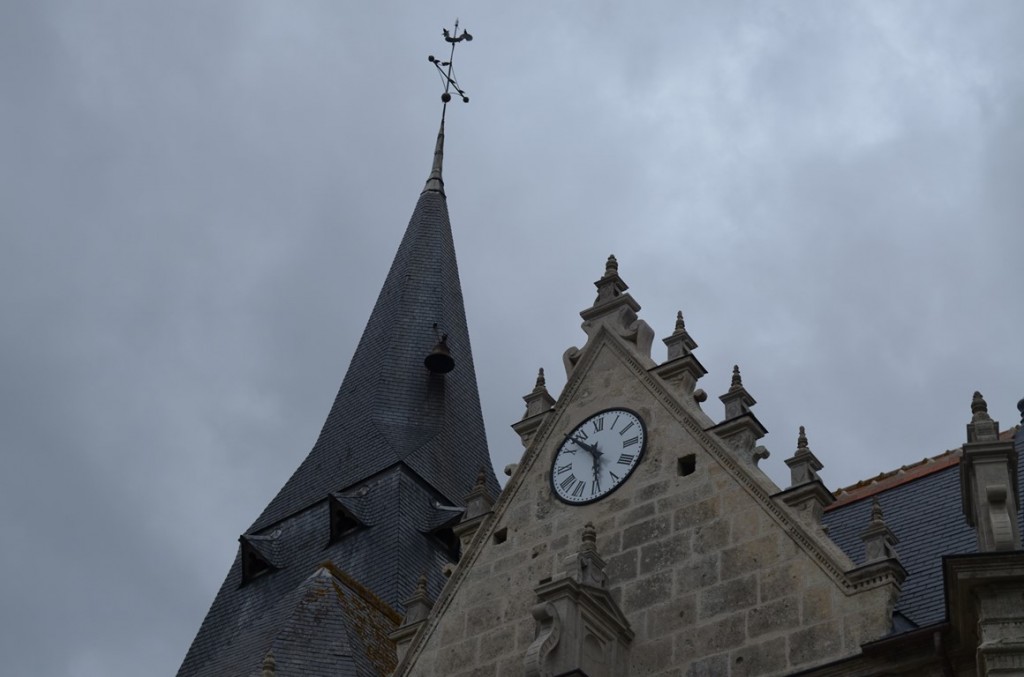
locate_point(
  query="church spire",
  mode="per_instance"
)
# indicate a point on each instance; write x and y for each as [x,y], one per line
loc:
[391,408]
[384,484]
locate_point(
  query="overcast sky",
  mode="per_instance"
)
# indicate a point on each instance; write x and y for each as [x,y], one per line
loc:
[201,199]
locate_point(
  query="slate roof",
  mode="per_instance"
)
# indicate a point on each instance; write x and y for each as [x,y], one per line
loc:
[389,407]
[336,627]
[386,556]
[399,448]
[922,506]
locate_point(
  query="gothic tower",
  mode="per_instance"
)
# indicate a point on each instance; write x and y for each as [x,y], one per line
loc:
[320,577]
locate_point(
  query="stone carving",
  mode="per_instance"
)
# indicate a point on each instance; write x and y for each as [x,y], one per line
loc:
[539,403]
[984,596]
[806,493]
[881,567]
[549,627]
[879,540]
[580,629]
[269,667]
[999,518]
[478,509]
[616,311]
[682,369]
[417,609]
[981,428]
[741,430]
[569,359]
[803,465]
[988,482]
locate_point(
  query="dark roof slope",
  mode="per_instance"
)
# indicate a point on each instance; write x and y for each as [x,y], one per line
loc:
[327,625]
[389,407]
[386,556]
[925,512]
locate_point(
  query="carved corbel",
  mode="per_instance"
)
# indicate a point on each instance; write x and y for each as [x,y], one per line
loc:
[549,627]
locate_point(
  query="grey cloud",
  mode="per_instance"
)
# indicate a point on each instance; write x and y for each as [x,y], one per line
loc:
[200,202]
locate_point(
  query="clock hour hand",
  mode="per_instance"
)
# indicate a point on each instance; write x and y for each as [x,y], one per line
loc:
[592,448]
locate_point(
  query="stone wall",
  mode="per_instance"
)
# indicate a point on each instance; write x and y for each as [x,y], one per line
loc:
[714,577]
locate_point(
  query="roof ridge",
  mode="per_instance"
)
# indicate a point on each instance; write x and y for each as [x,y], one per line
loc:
[906,473]
[360,589]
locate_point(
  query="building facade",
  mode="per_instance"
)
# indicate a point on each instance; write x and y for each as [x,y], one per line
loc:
[695,563]
[636,536]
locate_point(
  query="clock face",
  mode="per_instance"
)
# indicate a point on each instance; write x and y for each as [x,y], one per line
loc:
[597,457]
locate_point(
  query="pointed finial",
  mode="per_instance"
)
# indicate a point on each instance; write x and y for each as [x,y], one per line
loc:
[589,537]
[876,511]
[737,380]
[979,407]
[611,286]
[540,379]
[1020,408]
[680,324]
[981,428]
[269,665]
[418,605]
[803,464]
[879,540]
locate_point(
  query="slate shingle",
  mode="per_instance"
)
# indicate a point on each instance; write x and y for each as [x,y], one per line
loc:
[927,517]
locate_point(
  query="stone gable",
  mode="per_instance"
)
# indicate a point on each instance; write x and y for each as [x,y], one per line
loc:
[712,574]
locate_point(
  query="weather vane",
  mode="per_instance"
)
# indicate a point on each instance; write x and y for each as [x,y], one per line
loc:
[444,68]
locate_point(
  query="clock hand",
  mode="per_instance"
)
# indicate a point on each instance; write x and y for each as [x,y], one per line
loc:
[592,448]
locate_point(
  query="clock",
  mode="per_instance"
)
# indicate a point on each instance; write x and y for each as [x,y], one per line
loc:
[598,456]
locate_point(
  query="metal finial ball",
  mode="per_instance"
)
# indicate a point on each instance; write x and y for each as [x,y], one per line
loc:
[446,97]
[431,58]
[465,99]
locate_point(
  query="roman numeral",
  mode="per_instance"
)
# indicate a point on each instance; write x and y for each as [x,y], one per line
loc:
[615,421]
[630,442]
[577,491]
[598,424]
[614,476]
[582,434]
[623,431]
[626,459]
[564,468]
[567,482]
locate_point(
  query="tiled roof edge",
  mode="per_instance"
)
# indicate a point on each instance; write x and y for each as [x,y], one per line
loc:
[908,473]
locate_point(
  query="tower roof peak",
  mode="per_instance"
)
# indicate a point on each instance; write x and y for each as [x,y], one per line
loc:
[434,182]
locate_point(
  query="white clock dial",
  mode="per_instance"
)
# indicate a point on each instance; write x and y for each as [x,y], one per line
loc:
[597,457]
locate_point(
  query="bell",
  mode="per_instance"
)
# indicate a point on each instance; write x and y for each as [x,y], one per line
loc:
[440,360]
